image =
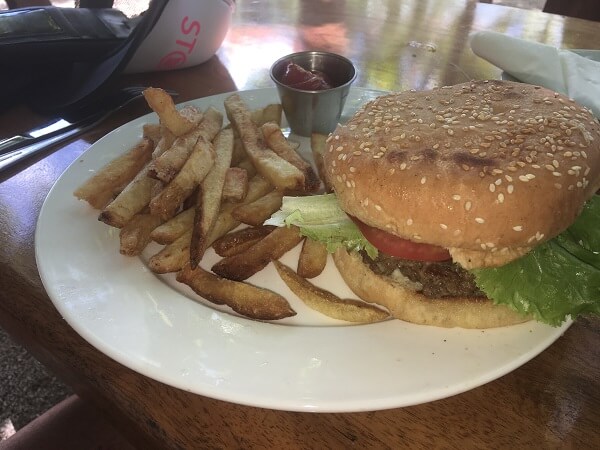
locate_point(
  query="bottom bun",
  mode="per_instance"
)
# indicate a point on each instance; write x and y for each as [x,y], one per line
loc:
[409,305]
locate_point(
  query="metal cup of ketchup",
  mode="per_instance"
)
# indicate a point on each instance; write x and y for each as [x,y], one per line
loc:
[313,87]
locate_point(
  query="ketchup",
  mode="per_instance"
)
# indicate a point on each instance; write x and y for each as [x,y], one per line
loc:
[299,78]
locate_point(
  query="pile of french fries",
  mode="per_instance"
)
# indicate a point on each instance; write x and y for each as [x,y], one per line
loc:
[191,183]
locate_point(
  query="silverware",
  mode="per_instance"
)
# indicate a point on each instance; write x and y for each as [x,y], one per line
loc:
[72,122]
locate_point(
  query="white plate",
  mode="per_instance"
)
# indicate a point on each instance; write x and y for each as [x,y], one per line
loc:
[308,363]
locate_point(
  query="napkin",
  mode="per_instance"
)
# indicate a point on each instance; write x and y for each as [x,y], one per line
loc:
[531,62]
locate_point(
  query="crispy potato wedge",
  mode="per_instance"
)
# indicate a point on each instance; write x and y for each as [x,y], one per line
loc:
[273,246]
[313,258]
[257,187]
[162,104]
[172,257]
[281,173]
[239,154]
[170,199]
[327,303]
[256,212]
[132,200]
[245,299]
[167,166]
[269,113]
[277,142]
[210,193]
[135,235]
[247,165]
[236,184]
[104,185]
[318,145]
[152,131]
[170,230]
[240,240]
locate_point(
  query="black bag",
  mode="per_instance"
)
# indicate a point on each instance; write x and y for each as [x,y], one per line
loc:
[50,72]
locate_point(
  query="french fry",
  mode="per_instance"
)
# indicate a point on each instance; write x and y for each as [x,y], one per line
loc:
[245,299]
[318,144]
[170,230]
[277,142]
[164,143]
[273,246]
[269,113]
[327,303]
[282,174]
[240,240]
[135,235]
[239,154]
[175,255]
[236,184]
[152,131]
[209,195]
[313,258]
[247,165]
[169,200]
[132,200]
[257,187]
[172,257]
[256,212]
[162,104]
[167,166]
[104,185]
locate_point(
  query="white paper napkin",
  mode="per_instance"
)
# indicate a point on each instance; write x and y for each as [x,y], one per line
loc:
[531,62]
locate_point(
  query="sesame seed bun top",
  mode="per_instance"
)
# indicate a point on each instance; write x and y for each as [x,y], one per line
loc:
[485,166]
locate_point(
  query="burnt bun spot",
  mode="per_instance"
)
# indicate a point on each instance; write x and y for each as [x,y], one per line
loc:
[486,167]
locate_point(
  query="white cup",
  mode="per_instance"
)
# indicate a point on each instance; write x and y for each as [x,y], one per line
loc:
[187,33]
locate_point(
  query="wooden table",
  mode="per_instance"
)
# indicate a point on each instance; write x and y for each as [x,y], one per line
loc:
[552,401]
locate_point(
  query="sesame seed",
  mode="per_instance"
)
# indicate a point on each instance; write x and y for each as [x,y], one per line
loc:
[518,228]
[479,220]
[468,205]
[423,180]
[443,226]
[409,222]
[456,197]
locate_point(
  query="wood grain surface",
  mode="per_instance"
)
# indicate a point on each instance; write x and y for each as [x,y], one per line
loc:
[552,401]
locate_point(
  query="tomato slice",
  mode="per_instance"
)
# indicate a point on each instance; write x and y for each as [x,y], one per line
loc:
[399,247]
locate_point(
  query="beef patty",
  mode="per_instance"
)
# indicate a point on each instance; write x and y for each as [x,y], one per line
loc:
[438,279]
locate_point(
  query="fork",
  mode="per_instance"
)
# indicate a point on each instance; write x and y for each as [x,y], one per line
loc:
[73,121]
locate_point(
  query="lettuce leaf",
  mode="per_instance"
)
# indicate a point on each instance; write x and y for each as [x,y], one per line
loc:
[320,217]
[557,279]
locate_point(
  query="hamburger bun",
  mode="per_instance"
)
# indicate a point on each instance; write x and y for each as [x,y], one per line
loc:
[405,303]
[486,169]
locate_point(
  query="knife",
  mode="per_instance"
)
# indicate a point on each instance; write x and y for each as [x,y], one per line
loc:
[61,127]
[19,147]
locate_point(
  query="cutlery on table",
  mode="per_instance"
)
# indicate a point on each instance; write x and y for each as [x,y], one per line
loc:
[73,121]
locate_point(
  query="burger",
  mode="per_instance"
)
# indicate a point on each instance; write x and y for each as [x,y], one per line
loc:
[470,205]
